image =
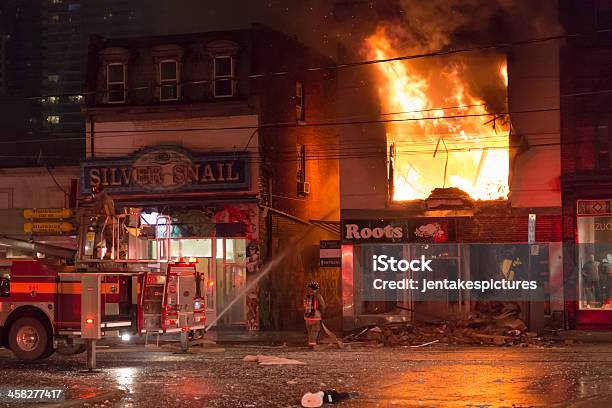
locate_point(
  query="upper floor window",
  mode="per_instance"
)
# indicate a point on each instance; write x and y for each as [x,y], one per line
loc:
[115,82]
[168,80]
[224,83]
[303,186]
[299,101]
[604,152]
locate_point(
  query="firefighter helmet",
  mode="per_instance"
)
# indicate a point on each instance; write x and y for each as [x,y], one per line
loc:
[313,285]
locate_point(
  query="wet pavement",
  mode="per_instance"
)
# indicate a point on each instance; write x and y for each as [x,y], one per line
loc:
[440,376]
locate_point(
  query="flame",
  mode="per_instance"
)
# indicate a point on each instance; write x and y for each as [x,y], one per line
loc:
[503,72]
[442,135]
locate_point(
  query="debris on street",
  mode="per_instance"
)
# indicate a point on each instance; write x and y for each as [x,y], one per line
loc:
[494,323]
[271,360]
[317,399]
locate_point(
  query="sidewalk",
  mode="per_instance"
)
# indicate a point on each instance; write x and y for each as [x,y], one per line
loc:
[587,336]
[260,338]
[298,338]
[236,337]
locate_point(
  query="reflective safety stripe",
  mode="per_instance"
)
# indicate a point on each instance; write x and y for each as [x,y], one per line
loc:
[74,288]
[29,287]
[66,288]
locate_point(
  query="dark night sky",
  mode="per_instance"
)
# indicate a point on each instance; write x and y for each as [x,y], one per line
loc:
[311,20]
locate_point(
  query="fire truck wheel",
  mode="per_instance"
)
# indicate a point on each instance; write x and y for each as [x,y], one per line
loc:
[29,339]
[71,349]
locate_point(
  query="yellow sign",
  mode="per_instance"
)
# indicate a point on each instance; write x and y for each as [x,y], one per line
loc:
[48,227]
[47,213]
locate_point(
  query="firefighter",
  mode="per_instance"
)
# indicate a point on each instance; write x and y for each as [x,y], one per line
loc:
[314,307]
[103,208]
[103,204]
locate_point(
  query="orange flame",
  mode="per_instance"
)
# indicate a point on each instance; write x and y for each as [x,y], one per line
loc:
[503,71]
[445,137]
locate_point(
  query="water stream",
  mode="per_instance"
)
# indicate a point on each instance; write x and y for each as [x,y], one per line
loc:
[265,270]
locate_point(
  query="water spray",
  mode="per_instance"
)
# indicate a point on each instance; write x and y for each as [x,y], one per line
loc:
[265,271]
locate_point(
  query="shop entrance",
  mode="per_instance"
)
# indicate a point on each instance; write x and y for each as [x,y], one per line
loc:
[447,262]
[230,278]
[223,276]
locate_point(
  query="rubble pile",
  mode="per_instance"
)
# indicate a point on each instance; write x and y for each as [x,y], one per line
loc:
[494,323]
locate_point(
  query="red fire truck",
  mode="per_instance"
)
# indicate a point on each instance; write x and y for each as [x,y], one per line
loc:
[143,289]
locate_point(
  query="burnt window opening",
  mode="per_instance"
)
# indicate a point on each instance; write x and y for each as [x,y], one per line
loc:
[115,82]
[169,80]
[299,101]
[224,81]
[603,147]
[303,187]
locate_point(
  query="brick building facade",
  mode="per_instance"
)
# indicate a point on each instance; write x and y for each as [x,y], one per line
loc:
[234,110]
[586,158]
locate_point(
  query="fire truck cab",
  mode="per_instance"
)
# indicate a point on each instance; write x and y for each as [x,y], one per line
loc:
[143,290]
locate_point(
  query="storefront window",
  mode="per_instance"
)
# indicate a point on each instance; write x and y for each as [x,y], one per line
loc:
[191,248]
[219,254]
[367,251]
[235,250]
[595,262]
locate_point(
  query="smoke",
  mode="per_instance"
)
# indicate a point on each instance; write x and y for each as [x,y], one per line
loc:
[442,24]
[426,26]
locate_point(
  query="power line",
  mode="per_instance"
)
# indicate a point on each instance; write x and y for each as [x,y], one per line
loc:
[282,125]
[359,63]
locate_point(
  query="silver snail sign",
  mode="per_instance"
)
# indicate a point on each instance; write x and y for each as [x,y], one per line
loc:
[163,169]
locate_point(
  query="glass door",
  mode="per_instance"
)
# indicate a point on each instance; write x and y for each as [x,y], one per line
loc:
[230,265]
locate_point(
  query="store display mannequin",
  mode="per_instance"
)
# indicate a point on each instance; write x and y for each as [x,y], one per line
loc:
[591,282]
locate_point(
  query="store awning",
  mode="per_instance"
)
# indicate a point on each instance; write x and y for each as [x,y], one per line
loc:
[329,226]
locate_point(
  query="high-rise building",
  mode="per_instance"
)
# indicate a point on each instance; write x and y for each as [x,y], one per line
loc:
[20,72]
[2,63]
[67,27]
[64,53]
[21,47]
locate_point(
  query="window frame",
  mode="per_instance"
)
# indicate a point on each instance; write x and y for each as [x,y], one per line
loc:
[5,285]
[230,77]
[603,146]
[54,121]
[301,170]
[166,82]
[109,83]
[300,113]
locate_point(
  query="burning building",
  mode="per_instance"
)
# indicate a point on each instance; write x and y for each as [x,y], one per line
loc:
[431,103]
[459,155]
